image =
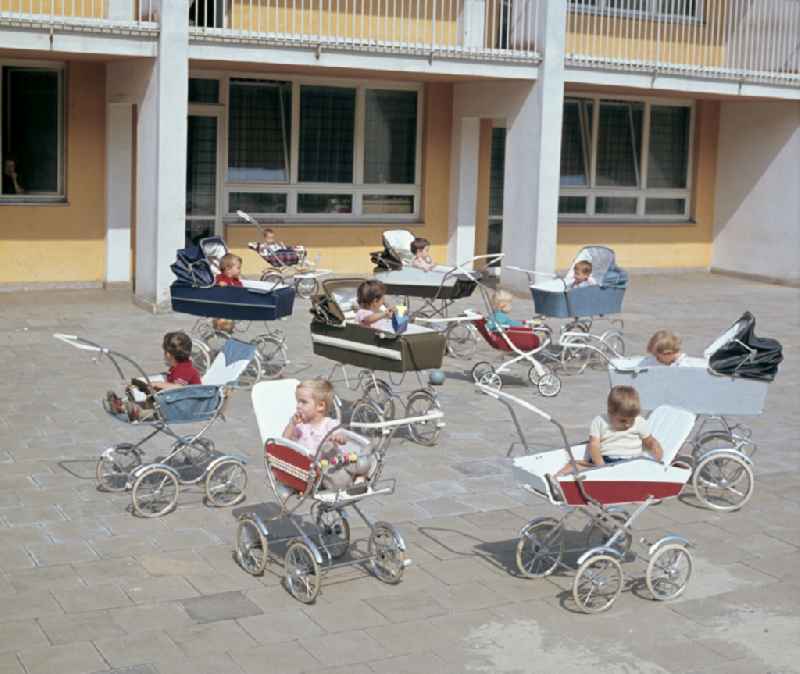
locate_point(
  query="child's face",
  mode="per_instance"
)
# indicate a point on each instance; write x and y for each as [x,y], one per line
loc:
[581,274]
[234,271]
[269,237]
[503,305]
[424,252]
[621,423]
[667,357]
[308,409]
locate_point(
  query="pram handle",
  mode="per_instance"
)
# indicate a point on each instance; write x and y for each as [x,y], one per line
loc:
[86,345]
[532,274]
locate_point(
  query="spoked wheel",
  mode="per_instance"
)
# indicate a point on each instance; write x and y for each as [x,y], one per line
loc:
[367,412]
[225,483]
[574,357]
[669,571]
[387,553]
[723,481]
[597,584]
[272,352]
[379,392]
[613,345]
[540,548]
[155,492]
[271,277]
[425,432]
[114,468]
[549,385]
[201,356]
[306,286]
[252,549]
[302,572]
[483,373]
[334,531]
[215,341]
[600,532]
[252,373]
[461,340]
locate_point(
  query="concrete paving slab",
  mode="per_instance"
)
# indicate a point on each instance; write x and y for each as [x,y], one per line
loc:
[221,606]
[76,658]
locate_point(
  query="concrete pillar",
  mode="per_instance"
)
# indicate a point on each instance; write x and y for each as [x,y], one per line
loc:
[119,183]
[161,159]
[533,150]
[465,150]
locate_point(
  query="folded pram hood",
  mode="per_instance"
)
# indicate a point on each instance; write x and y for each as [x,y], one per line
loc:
[740,353]
[191,268]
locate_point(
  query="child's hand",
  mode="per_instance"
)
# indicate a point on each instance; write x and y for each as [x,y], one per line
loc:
[296,419]
[339,439]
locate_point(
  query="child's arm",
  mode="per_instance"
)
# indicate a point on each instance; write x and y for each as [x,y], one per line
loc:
[594,451]
[163,385]
[653,446]
[290,432]
[376,316]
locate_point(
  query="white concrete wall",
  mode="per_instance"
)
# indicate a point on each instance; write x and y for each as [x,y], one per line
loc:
[757,205]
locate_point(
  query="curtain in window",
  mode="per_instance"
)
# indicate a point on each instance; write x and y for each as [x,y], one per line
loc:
[259,130]
[576,134]
[327,122]
[619,144]
[668,159]
[30,118]
[390,137]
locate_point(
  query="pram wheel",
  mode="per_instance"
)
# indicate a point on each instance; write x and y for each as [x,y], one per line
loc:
[483,373]
[387,553]
[115,466]
[669,571]
[272,278]
[306,286]
[252,373]
[574,356]
[201,356]
[334,530]
[549,384]
[425,432]
[723,480]
[461,341]
[272,353]
[252,549]
[367,412]
[600,532]
[613,345]
[597,584]
[225,483]
[302,572]
[380,393]
[155,492]
[540,548]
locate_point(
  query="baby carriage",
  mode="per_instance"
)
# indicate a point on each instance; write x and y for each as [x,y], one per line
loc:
[192,459]
[336,336]
[324,541]
[554,297]
[193,292]
[730,380]
[600,495]
[289,266]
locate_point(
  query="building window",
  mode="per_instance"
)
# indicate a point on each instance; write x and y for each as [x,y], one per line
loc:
[32,141]
[323,150]
[625,159]
[494,243]
[671,9]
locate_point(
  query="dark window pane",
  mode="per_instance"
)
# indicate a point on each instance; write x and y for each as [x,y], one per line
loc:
[387,203]
[576,135]
[494,243]
[256,202]
[201,165]
[615,205]
[30,119]
[619,144]
[572,205]
[665,207]
[497,171]
[668,161]
[259,131]
[327,120]
[390,137]
[198,229]
[324,203]
[203,91]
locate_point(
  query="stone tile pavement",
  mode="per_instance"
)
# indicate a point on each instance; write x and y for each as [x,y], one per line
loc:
[88,588]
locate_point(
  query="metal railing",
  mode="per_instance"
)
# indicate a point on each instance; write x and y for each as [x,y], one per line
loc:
[503,29]
[83,13]
[745,40]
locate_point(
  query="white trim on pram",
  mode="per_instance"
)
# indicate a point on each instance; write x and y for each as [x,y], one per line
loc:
[349,345]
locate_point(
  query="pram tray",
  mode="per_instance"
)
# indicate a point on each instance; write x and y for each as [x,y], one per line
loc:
[692,387]
[360,346]
[435,284]
[557,302]
[255,302]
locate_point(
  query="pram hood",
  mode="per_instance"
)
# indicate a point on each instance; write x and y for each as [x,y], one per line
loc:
[398,242]
[198,265]
[337,301]
[604,267]
[738,352]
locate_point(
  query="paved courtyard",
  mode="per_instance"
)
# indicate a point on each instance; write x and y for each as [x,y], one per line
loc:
[86,587]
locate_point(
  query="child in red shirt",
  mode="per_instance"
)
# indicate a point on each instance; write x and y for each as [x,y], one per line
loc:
[230,271]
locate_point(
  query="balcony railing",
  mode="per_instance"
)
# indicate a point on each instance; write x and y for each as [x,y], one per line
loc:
[484,29]
[744,40]
[82,14]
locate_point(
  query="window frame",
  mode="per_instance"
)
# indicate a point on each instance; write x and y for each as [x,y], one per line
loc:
[358,188]
[641,193]
[60,195]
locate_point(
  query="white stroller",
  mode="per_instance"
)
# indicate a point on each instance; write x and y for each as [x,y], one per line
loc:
[323,542]
[599,494]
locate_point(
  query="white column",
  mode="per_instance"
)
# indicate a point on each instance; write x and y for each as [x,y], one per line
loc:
[463,188]
[533,150]
[161,174]
[473,19]
[119,182]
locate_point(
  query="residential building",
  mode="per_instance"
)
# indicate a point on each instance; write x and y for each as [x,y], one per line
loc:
[666,129]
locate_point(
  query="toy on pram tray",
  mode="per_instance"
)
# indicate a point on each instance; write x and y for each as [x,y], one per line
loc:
[730,380]
[192,459]
[193,292]
[324,541]
[583,302]
[600,495]
[287,265]
[336,336]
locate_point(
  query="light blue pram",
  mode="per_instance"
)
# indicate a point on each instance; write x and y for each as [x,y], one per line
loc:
[192,458]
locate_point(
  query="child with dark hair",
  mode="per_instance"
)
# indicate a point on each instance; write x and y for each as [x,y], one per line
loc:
[370,302]
[421,249]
